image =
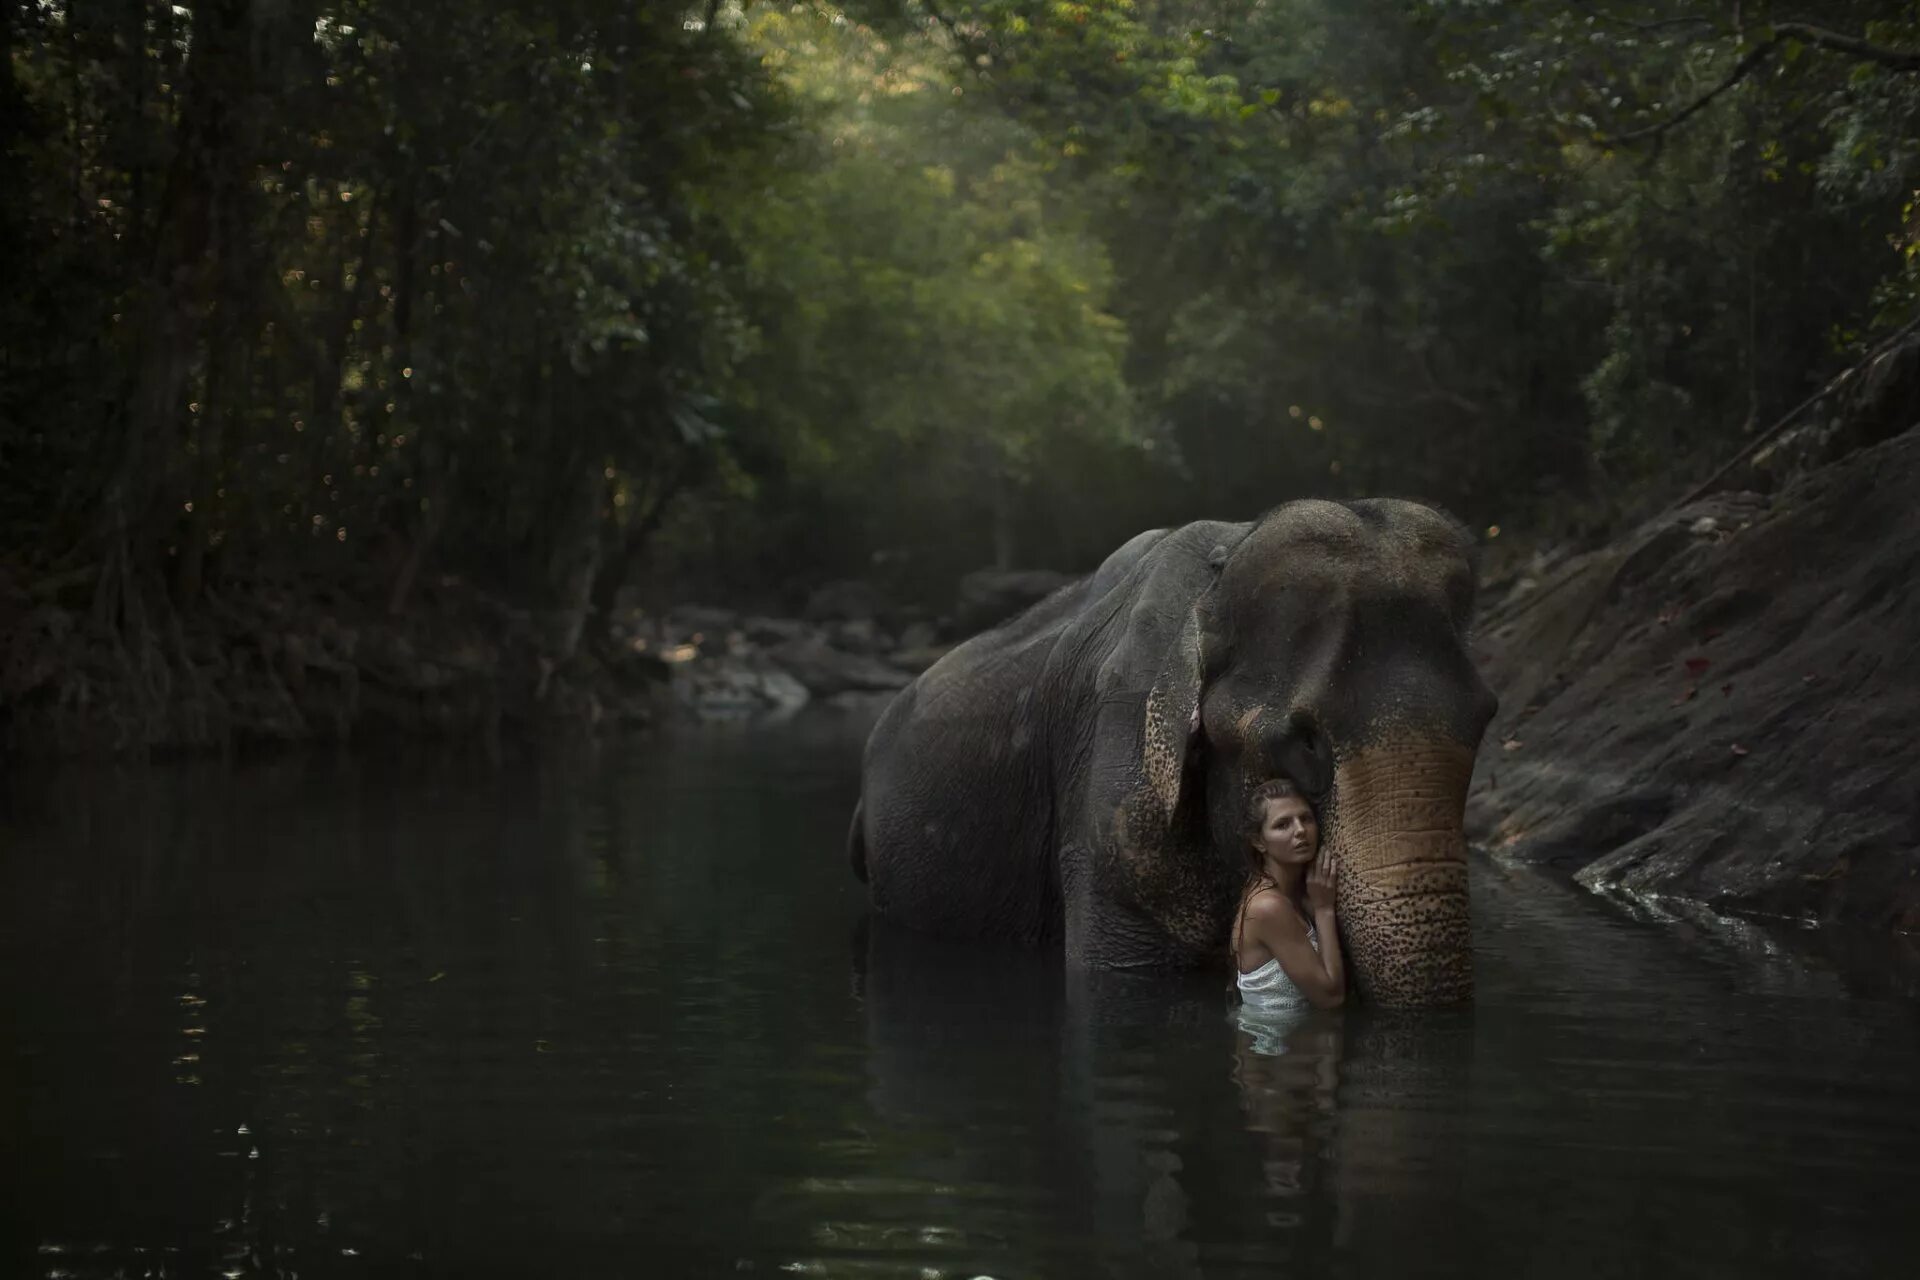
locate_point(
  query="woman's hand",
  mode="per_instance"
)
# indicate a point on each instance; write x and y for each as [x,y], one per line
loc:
[1321,891]
[1308,950]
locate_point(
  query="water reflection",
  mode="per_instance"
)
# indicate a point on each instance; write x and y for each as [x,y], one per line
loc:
[1122,1124]
[600,1015]
[1286,1064]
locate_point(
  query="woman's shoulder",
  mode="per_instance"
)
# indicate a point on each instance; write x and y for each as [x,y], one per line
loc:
[1269,909]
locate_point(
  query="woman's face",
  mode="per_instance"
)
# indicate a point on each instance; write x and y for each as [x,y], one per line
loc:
[1289,833]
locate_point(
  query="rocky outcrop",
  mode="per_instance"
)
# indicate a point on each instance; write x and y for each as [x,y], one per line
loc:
[734,689]
[724,665]
[844,601]
[1721,706]
[825,670]
[850,652]
[989,597]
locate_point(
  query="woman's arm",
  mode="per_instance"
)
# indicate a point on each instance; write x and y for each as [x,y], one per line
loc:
[1321,898]
[1277,926]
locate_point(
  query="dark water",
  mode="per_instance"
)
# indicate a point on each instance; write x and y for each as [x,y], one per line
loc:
[617,1015]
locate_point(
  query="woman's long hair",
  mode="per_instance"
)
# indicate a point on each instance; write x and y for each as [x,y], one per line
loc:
[1251,819]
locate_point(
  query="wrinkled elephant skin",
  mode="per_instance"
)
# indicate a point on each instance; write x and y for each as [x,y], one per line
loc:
[1078,776]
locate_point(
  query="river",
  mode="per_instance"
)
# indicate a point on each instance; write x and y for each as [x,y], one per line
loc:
[620,1013]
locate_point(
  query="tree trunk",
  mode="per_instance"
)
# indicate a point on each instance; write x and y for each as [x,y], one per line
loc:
[575,564]
[437,474]
[574,553]
[328,422]
[171,317]
[203,435]
[631,539]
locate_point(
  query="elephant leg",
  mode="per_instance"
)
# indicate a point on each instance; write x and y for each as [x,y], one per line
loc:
[1101,930]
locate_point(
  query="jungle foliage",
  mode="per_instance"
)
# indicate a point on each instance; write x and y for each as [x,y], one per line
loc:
[726,298]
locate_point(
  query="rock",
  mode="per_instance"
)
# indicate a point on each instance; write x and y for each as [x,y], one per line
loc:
[860,704]
[774,631]
[699,619]
[1875,402]
[727,688]
[919,659]
[989,597]
[1725,718]
[826,671]
[858,635]
[843,600]
[637,668]
[918,635]
[1884,398]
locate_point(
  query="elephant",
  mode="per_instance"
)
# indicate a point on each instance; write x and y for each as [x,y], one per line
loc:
[1077,776]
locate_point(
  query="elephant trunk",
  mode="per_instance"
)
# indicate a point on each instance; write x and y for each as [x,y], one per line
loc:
[1397,840]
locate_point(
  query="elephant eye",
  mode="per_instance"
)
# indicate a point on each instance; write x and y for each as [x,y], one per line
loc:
[1300,752]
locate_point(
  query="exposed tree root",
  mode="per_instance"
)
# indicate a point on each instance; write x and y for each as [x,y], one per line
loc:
[260,662]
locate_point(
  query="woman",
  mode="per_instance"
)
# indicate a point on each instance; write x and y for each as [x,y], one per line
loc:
[1286,943]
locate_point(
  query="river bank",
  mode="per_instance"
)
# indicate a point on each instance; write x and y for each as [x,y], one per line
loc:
[1718,705]
[278,661]
[1715,706]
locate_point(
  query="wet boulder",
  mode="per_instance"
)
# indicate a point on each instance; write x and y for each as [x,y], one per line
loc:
[918,635]
[770,632]
[859,704]
[859,635]
[845,600]
[688,620]
[989,597]
[1719,705]
[919,658]
[826,671]
[730,688]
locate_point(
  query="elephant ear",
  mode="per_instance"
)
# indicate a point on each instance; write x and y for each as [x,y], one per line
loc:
[1173,709]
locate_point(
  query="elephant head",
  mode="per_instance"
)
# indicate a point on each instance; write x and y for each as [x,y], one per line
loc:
[1329,646]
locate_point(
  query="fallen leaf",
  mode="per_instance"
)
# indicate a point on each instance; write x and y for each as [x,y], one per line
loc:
[1511,744]
[1697,665]
[1686,695]
[1739,750]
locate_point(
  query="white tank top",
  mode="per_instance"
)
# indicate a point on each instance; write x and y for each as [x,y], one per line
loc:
[1269,987]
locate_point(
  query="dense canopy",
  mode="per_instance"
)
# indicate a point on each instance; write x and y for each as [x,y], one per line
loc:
[727,299]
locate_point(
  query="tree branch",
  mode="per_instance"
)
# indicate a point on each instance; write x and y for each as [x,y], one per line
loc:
[1741,70]
[1435,393]
[1753,446]
[1650,27]
[1894,59]
[1424,359]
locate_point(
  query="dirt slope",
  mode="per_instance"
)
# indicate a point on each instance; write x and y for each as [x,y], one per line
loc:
[1724,706]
